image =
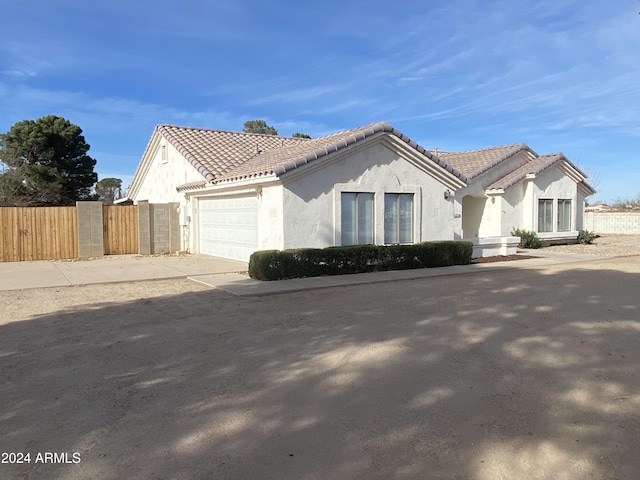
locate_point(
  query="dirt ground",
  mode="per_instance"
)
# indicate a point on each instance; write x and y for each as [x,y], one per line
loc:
[516,374]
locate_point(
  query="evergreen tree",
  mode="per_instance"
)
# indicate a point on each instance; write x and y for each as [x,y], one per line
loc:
[45,162]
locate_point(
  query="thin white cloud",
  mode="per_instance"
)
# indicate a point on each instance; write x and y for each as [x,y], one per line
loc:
[18,73]
[296,96]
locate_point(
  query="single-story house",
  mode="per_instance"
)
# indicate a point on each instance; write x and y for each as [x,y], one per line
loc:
[242,192]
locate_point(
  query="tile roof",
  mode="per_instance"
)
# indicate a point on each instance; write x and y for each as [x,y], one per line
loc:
[191,186]
[226,156]
[222,156]
[475,162]
[534,166]
[215,152]
[282,160]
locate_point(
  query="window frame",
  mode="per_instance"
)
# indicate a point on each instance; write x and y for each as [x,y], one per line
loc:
[561,205]
[395,225]
[368,200]
[543,204]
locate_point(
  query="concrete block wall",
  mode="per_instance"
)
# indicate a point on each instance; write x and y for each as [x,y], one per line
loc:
[90,229]
[144,228]
[159,228]
[621,223]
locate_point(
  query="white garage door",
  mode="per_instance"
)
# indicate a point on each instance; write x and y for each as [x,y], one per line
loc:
[228,226]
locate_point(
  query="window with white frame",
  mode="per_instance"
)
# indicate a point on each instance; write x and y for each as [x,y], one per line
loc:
[398,218]
[357,218]
[545,215]
[564,215]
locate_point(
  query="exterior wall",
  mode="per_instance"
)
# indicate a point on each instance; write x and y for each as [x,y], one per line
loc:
[517,207]
[164,175]
[491,225]
[472,215]
[513,208]
[270,219]
[580,206]
[491,216]
[621,223]
[311,202]
[527,219]
[168,169]
[555,184]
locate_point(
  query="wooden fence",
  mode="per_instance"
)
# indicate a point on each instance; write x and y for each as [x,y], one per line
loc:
[52,233]
[120,227]
[38,233]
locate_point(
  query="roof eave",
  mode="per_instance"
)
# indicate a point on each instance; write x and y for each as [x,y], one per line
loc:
[374,130]
[145,164]
[370,131]
[586,189]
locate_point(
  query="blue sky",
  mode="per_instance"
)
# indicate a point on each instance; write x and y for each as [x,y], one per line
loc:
[558,75]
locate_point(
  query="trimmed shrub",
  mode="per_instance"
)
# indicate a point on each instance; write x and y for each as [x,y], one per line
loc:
[314,262]
[527,239]
[586,237]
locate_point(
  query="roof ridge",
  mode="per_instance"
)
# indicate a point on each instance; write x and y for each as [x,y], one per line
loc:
[167,125]
[345,138]
[535,166]
[512,145]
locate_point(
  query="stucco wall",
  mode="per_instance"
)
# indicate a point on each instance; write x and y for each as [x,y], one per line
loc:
[491,216]
[270,221]
[166,170]
[165,174]
[517,207]
[554,184]
[513,208]
[311,201]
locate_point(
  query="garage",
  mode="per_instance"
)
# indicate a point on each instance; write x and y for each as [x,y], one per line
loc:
[228,226]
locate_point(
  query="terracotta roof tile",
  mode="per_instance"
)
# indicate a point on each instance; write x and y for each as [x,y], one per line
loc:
[191,186]
[287,158]
[475,162]
[226,156]
[215,152]
[534,166]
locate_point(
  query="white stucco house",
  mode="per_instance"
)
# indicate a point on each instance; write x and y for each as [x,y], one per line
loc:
[242,192]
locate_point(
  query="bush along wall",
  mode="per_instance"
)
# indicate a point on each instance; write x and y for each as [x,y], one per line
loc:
[315,262]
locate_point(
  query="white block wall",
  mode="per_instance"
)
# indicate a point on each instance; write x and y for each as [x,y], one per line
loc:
[621,223]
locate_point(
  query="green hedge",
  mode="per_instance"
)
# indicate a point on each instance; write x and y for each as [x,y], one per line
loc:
[315,262]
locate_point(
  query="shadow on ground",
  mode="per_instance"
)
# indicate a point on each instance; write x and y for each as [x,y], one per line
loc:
[512,374]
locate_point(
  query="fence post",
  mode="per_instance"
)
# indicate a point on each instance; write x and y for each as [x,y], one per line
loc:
[144,228]
[90,229]
[174,227]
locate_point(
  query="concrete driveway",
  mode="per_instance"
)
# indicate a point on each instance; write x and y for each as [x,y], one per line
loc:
[520,373]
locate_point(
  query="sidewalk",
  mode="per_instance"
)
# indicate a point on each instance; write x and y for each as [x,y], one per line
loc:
[226,275]
[242,285]
[108,269]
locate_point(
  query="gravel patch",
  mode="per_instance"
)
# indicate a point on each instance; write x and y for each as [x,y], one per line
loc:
[605,246]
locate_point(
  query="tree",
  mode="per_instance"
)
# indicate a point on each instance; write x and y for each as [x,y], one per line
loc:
[259,126]
[45,162]
[109,190]
[300,135]
[626,204]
